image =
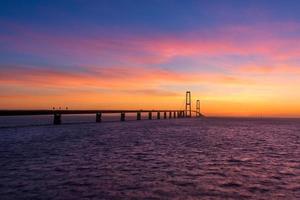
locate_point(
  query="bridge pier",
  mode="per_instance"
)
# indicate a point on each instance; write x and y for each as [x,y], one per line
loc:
[99,117]
[158,115]
[122,116]
[150,115]
[170,115]
[198,113]
[138,116]
[174,114]
[57,119]
[165,115]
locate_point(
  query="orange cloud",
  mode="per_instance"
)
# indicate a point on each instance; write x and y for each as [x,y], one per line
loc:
[137,73]
[108,77]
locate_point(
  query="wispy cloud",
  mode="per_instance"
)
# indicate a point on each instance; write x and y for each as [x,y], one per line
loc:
[143,66]
[139,49]
[271,69]
[107,77]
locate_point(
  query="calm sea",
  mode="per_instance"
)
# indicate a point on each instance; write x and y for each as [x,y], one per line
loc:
[151,159]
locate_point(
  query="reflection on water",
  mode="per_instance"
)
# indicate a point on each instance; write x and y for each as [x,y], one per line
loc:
[158,159]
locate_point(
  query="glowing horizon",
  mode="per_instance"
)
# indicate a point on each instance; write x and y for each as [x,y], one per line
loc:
[238,58]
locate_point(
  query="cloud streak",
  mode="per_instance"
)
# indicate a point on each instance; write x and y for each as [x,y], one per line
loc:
[108,77]
[138,49]
[103,65]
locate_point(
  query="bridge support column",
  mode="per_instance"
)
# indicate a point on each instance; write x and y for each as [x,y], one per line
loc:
[122,117]
[158,115]
[138,116]
[150,115]
[57,119]
[165,115]
[174,114]
[99,117]
[198,114]
[188,104]
[170,115]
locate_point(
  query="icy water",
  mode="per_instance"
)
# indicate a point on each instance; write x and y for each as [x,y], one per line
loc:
[158,159]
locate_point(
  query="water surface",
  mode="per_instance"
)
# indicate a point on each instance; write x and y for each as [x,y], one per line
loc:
[153,159]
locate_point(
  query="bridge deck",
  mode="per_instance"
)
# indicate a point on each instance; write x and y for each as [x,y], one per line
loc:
[58,113]
[51,112]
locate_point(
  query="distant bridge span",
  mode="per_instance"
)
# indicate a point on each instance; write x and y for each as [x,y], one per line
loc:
[57,113]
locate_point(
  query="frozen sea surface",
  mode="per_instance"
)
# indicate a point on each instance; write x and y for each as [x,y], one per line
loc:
[158,159]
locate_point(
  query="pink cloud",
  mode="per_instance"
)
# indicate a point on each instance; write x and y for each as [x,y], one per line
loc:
[275,69]
[238,40]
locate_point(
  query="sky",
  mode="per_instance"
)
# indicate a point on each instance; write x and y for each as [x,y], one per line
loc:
[240,58]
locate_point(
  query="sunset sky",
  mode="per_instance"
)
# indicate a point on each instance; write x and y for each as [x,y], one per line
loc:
[240,58]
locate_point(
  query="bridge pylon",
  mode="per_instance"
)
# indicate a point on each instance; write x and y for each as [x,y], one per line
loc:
[198,114]
[188,104]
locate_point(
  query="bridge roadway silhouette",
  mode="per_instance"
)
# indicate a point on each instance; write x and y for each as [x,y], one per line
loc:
[58,113]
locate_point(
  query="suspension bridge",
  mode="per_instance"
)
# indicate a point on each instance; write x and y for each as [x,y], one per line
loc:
[160,114]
